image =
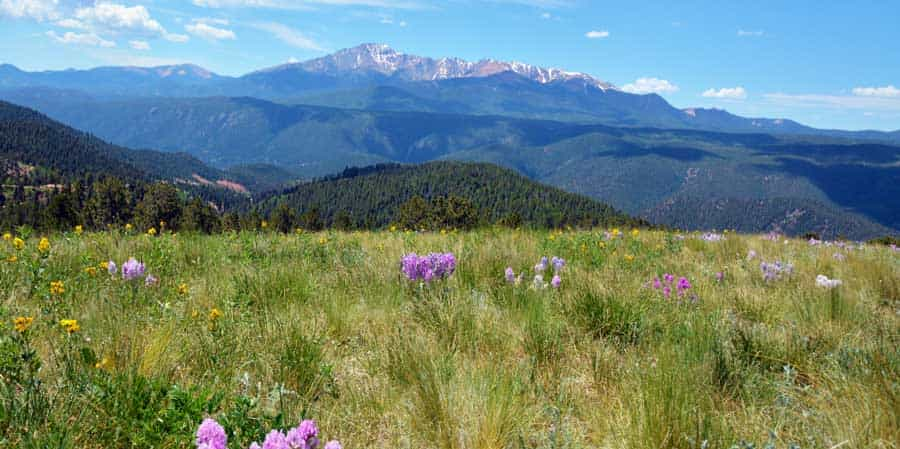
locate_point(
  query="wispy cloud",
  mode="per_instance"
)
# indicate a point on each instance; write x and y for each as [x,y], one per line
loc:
[750,33]
[288,35]
[139,45]
[73,38]
[650,86]
[309,4]
[728,93]
[594,34]
[824,101]
[39,10]
[209,32]
[883,92]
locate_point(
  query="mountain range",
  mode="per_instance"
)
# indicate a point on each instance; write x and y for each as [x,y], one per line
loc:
[371,104]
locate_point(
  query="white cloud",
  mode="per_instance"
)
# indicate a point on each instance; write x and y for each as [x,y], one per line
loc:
[596,34]
[209,32]
[139,45]
[650,86]
[731,93]
[71,23]
[308,4]
[751,33]
[39,10]
[884,92]
[116,18]
[822,101]
[288,35]
[89,39]
[546,16]
[292,60]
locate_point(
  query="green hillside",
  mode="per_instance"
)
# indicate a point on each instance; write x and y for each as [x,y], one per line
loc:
[375,197]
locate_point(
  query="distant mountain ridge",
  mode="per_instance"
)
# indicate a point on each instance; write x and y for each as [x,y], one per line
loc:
[377,77]
[383,59]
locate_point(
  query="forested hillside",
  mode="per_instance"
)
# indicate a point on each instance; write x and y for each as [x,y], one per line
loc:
[434,194]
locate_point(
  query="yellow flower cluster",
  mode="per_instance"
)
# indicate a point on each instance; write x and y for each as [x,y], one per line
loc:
[44,245]
[183,289]
[91,271]
[151,232]
[214,314]
[79,229]
[22,323]
[71,326]
[57,288]
[104,363]
[18,244]
[7,237]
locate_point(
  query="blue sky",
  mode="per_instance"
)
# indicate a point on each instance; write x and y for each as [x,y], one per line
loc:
[827,64]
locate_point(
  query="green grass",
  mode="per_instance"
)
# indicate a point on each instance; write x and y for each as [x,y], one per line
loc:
[322,326]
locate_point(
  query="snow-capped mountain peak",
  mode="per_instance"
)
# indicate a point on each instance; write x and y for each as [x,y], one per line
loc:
[383,59]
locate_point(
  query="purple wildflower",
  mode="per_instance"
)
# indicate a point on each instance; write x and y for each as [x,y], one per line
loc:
[556,281]
[333,444]
[751,255]
[669,278]
[510,275]
[275,440]
[667,291]
[720,276]
[211,435]
[683,285]
[558,263]
[111,268]
[150,280]
[840,257]
[657,284]
[132,269]
[427,268]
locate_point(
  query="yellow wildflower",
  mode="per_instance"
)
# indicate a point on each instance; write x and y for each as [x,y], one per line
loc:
[298,231]
[103,265]
[12,259]
[128,226]
[552,237]
[57,288]
[151,231]
[323,240]
[18,244]
[601,244]
[79,229]
[22,323]
[44,245]
[214,314]
[91,271]
[443,232]
[393,228]
[629,258]
[162,224]
[182,289]
[7,236]
[264,224]
[71,326]
[104,363]
[616,232]
[635,232]
[195,314]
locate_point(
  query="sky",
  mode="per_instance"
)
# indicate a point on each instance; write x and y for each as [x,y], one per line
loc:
[828,64]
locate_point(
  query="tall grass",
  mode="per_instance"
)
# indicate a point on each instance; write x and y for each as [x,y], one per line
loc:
[275,328]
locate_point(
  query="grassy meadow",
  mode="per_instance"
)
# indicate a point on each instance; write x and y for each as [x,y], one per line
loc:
[259,330]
